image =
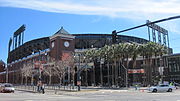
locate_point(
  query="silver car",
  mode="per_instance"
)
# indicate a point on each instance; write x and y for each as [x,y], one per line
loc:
[7,88]
[162,87]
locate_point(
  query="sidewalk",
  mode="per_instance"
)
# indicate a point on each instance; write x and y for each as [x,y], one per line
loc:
[84,90]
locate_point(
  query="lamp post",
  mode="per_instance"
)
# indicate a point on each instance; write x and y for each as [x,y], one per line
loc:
[6,74]
[39,67]
[32,79]
[78,71]
[101,71]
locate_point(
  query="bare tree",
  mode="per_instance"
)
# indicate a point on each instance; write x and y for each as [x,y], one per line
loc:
[27,71]
[49,70]
[60,68]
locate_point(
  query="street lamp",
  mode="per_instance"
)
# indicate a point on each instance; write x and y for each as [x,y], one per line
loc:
[78,73]
[39,66]
[101,71]
[6,73]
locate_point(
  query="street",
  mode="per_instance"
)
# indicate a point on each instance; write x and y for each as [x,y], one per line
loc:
[100,95]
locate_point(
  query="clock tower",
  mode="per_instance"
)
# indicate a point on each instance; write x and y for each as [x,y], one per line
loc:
[62,45]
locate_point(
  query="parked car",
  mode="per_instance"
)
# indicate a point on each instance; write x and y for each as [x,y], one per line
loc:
[7,88]
[177,85]
[162,87]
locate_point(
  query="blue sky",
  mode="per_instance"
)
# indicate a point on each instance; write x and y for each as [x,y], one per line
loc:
[45,17]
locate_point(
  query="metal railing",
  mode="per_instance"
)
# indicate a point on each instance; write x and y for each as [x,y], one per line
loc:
[50,88]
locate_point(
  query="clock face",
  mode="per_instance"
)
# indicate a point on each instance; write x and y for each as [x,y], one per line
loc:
[66,44]
[52,44]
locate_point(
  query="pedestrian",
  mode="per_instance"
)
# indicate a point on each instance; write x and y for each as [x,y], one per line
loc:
[42,88]
[136,86]
[171,84]
[39,86]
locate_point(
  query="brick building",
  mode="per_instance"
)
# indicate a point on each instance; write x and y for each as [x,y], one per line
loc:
[61,45]
[2,71]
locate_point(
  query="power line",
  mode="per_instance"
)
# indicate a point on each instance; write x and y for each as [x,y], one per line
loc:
[166,19]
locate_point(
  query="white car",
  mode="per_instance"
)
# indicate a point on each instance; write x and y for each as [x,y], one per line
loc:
[161,88]
[5,88]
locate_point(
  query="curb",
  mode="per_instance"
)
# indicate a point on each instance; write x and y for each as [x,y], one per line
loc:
[26,90]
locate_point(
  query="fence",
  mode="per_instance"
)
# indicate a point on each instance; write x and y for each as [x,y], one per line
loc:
[50,88]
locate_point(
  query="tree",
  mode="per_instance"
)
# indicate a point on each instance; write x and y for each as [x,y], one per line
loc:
[125,52]
[92,56]
[48,70]
[27,71]
[60,67]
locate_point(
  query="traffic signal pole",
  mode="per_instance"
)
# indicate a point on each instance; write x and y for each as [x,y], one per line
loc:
[157,21]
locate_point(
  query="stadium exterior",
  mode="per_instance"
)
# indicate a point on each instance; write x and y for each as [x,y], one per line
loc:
[62,43]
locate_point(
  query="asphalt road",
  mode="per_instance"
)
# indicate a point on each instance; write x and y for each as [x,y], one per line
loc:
[102,95]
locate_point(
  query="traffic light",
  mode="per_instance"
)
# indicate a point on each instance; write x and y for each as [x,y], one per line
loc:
[114,36]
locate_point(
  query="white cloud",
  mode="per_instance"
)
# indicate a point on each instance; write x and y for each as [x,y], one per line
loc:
[135,10]
[113,8]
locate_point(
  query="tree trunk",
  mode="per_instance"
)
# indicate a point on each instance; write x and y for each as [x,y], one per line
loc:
[116,73]
[150,75]
[101,74]
[26,80]
[73,74]
[22,79]
[94,75]
[86,77]
[134,65]
[60,80]
[119,72]
[108,75]
[127,76]
[32,80]
[127,62]
[112,76]
[50,79]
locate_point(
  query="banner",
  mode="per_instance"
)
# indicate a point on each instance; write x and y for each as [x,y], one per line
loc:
[134,71]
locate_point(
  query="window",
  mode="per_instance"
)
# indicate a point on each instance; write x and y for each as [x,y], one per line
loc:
[163,85]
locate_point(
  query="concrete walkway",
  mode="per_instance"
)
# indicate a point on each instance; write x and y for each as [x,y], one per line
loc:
[84,90]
